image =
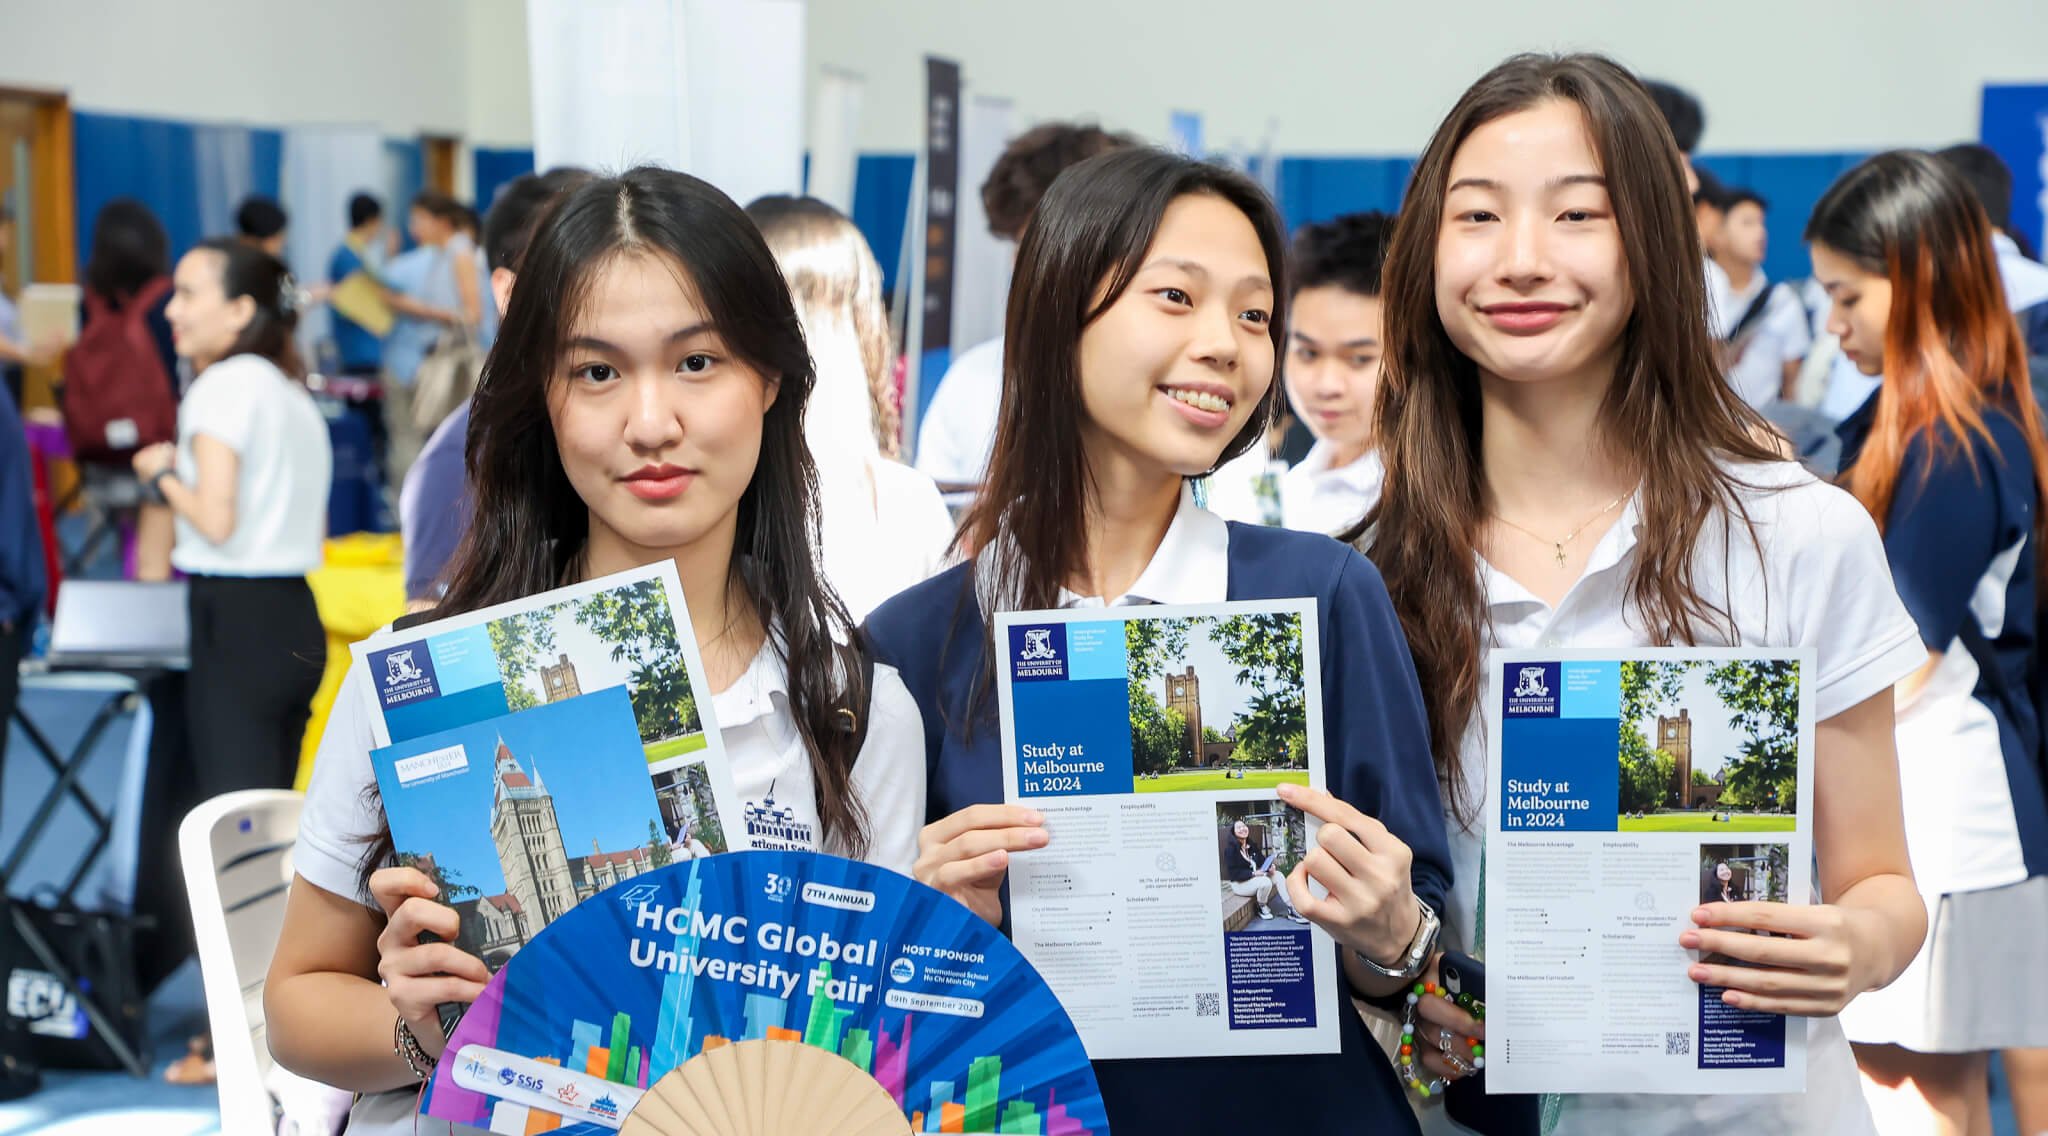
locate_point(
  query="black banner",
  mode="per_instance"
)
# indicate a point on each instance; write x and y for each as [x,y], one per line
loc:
[941,184]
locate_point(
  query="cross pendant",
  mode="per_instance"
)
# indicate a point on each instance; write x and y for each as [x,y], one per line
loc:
[1560,555]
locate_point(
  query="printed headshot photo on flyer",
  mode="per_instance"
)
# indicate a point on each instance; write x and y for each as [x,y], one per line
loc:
[1258,843]
[1743,873]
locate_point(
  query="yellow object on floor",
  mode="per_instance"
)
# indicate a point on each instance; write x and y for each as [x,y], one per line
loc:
[360,588]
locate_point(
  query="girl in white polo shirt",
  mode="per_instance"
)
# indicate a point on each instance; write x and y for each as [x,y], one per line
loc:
[644,400]
[1566,467]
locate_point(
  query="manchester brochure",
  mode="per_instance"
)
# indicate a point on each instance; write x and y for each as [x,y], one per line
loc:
[1152,739]
[1628,788]
[627,633]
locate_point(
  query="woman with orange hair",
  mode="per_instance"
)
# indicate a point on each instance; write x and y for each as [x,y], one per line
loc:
[1947,456]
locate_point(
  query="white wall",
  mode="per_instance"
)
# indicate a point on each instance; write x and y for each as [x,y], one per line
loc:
[1375,76]
[403,66]
[1338,76]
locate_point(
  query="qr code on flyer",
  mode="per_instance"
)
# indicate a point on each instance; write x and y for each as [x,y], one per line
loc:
[1208,1005]
[1678,1044]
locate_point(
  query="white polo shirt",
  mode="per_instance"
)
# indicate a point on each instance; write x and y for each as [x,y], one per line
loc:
[1780,336]
[1314,497]
[284,468]
[959,426]
[768,758]
[1821,581]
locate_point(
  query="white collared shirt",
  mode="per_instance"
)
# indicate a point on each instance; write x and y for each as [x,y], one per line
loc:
[1190,566]
[771,768]
[1816,576]
[959,426]
[1317,498]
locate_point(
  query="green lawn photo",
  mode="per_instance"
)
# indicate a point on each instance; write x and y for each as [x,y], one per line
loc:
[1705,822]
[676,747]
[1213,780]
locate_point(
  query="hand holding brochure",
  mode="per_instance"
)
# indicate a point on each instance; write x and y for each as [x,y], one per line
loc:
[539,751]
[1628,788]
[1152,739]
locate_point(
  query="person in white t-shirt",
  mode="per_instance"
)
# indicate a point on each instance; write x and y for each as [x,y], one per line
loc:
[1767,335]
[1573,472]
[959,424]
[644,402]
[247,483]
[885,526]
[1335,337]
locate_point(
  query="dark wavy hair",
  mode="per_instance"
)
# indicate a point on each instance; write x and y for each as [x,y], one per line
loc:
[527,524]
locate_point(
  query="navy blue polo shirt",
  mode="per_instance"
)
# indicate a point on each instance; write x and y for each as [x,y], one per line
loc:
[1960,539]
[1376,737]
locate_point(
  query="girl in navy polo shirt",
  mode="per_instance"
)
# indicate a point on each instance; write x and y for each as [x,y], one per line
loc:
[1946,456]
[1144,325]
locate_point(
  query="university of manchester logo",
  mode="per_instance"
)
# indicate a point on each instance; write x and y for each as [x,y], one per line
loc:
[1531,690]
[1038,654]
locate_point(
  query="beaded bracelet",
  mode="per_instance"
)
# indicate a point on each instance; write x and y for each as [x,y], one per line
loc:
[404,1045]
[1409,1065]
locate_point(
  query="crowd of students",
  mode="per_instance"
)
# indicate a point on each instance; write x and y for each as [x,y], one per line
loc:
[1554,402]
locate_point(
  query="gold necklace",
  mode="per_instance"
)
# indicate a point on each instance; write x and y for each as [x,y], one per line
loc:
[1558,545]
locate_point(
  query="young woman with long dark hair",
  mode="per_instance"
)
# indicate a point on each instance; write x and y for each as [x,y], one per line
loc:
[1947,456]
[1566,467]
[1144,331]
[643,401]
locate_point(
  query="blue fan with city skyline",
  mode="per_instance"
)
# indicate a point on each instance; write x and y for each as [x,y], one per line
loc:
[736,993]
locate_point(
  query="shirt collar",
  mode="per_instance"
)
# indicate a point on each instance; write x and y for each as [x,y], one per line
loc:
[2004,245]
[1362,475]
[1503,590]
[1190,566]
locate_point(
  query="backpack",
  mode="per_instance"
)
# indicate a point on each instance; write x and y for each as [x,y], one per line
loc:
[117,396]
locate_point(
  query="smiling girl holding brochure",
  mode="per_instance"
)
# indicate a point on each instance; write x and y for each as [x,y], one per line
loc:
[643,401]
[1566,467]
[1145,321]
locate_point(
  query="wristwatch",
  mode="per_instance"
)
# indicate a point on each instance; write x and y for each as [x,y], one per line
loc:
[1416,958]
[156,480]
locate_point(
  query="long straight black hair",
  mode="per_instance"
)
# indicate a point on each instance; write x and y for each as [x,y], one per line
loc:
[528,526]
[1085,241]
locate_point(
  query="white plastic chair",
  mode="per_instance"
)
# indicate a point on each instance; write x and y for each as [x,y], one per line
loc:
[237,854]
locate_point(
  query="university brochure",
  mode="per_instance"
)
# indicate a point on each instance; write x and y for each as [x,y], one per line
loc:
[1152,739]
[1627,788]
[536,752]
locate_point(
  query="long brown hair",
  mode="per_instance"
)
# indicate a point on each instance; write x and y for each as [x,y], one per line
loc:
[1951,346]
[1668,401]
[527,523]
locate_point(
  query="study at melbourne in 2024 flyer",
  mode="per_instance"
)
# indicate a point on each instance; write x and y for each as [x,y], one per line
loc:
[1153,740]
[1626,789]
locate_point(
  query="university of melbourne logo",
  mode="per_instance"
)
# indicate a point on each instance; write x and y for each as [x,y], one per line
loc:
[1532,690]
[404,674]
[1038,654]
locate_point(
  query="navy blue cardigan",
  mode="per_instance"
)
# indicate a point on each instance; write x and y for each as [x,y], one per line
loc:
[1376,737]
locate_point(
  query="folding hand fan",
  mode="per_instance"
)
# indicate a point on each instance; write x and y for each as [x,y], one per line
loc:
[764,993]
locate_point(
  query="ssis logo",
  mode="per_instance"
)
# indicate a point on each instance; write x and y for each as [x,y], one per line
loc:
[516,1080]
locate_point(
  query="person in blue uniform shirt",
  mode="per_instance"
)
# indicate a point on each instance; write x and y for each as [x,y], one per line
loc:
[1142,340]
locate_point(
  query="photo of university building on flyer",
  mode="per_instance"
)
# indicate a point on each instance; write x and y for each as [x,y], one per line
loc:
[1217,702]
